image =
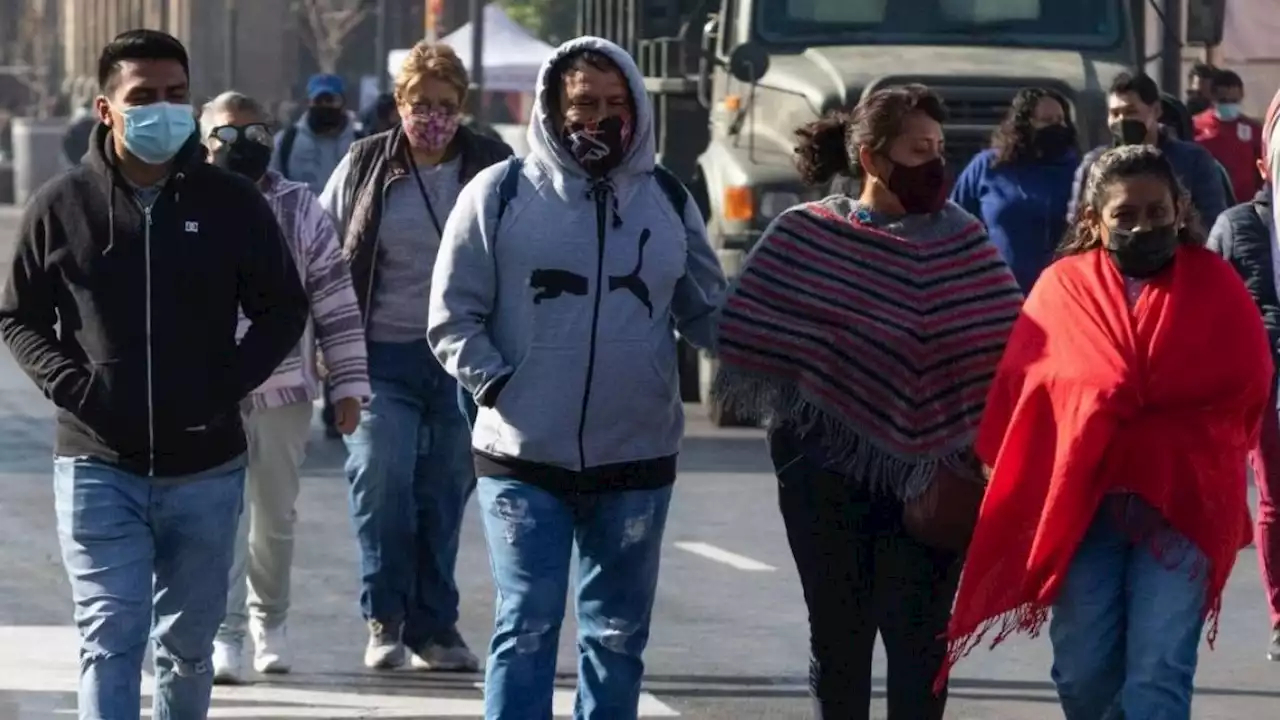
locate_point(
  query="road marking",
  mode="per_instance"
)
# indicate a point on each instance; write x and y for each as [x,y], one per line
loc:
[40,663]
[720,555]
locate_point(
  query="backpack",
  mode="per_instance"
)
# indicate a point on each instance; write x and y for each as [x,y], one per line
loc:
[286,149]
[508,187]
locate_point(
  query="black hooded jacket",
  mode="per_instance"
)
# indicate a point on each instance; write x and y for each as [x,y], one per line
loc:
[1242,236]
[144,366]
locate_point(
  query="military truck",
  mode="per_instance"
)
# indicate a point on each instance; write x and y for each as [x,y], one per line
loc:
[732,79]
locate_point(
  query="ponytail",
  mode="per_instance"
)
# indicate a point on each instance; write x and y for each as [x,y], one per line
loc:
[823,151]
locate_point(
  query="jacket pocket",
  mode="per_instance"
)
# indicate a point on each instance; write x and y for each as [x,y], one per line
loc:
[536,415]
[635,411]
[114,405]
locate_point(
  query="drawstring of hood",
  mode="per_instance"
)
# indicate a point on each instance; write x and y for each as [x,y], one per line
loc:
[603,188]
[102,157]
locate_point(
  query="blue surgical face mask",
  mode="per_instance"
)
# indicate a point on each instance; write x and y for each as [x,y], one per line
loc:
[154,133]
[1227,111]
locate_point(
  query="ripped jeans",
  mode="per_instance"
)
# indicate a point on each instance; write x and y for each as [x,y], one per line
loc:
[531,535]
[147,558]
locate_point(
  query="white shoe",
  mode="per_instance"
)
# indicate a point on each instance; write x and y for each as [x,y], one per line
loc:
[384,651]
[228,663]
[271,650]
[447,653]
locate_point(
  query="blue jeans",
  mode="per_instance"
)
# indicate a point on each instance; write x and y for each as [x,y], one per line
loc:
[1126,626]
[119,534]
[409,465]
[531,534]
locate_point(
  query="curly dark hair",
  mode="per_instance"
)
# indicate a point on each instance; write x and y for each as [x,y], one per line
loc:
[1014,140]
[829,146]
[1123,163]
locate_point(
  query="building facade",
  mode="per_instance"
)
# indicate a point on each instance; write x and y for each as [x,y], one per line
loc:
[254,46]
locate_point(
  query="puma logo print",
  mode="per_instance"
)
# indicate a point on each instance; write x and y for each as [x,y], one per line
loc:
[551,284]
[632,282]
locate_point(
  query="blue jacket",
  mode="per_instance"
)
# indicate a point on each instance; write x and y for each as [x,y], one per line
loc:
[1200,174]
[1023,206]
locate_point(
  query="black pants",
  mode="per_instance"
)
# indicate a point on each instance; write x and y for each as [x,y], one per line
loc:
[863,575]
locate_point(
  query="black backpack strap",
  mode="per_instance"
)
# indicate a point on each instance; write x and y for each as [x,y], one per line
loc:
[508,188]
[286,148]
[673,189]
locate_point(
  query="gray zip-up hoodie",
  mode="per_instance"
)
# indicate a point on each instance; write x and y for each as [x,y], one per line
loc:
[575,300]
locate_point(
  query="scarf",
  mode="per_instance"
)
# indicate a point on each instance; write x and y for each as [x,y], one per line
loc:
[883,345]
[1163,401]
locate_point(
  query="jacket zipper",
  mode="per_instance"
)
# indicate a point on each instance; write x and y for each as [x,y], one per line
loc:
[601,194]
[151,420]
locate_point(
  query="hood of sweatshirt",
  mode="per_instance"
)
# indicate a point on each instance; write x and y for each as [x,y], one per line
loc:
[544,134]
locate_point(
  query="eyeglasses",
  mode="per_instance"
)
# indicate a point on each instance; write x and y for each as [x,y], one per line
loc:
[257,132]
[423,108]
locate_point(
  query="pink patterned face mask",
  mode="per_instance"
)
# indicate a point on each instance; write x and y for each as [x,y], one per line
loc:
[432,130]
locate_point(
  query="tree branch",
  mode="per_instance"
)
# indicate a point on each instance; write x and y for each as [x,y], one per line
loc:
[329,22]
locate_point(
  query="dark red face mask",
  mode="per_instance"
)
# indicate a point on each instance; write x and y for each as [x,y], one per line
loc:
[920,188]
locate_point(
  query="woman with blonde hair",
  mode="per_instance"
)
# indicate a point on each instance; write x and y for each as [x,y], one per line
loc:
[409,463]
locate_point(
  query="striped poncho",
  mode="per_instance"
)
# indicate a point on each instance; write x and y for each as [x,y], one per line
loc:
[880,334]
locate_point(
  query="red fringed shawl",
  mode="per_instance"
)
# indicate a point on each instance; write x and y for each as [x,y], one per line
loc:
[1164,401]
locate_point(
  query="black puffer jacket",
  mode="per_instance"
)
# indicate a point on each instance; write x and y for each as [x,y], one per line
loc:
[1242,236]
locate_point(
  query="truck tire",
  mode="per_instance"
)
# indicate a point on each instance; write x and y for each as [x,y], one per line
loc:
[719,415]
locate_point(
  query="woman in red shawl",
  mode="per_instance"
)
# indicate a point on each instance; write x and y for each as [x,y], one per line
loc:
[1117,429]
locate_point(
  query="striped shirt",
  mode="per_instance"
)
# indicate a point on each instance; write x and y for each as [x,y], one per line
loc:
[335,324]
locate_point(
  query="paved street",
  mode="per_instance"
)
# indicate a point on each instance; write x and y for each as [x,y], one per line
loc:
[729,635]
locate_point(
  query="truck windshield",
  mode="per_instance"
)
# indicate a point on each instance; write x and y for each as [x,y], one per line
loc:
[1033,23]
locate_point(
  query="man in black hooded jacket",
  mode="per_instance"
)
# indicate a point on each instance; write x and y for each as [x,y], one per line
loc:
[122,305]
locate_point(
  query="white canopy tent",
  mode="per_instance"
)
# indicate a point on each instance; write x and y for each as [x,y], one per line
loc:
[512,57]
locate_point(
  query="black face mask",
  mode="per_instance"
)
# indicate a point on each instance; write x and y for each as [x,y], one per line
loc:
[1053,141]
[1128,132]
[1145,253]
[244,157]
[598,146]
[324,118]
[1197,103]
[920,188]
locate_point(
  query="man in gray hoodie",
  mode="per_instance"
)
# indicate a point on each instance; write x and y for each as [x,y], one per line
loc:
[561,319]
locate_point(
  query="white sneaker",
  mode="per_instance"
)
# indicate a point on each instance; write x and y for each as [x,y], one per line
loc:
[271,650]
[228,663]
[384,651]
[447,653]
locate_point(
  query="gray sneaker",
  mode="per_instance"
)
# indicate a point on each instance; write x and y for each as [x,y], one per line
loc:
[385,651]
[1273,650]
[447,652]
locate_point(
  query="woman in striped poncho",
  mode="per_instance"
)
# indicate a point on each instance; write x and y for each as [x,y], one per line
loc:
[867,331]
